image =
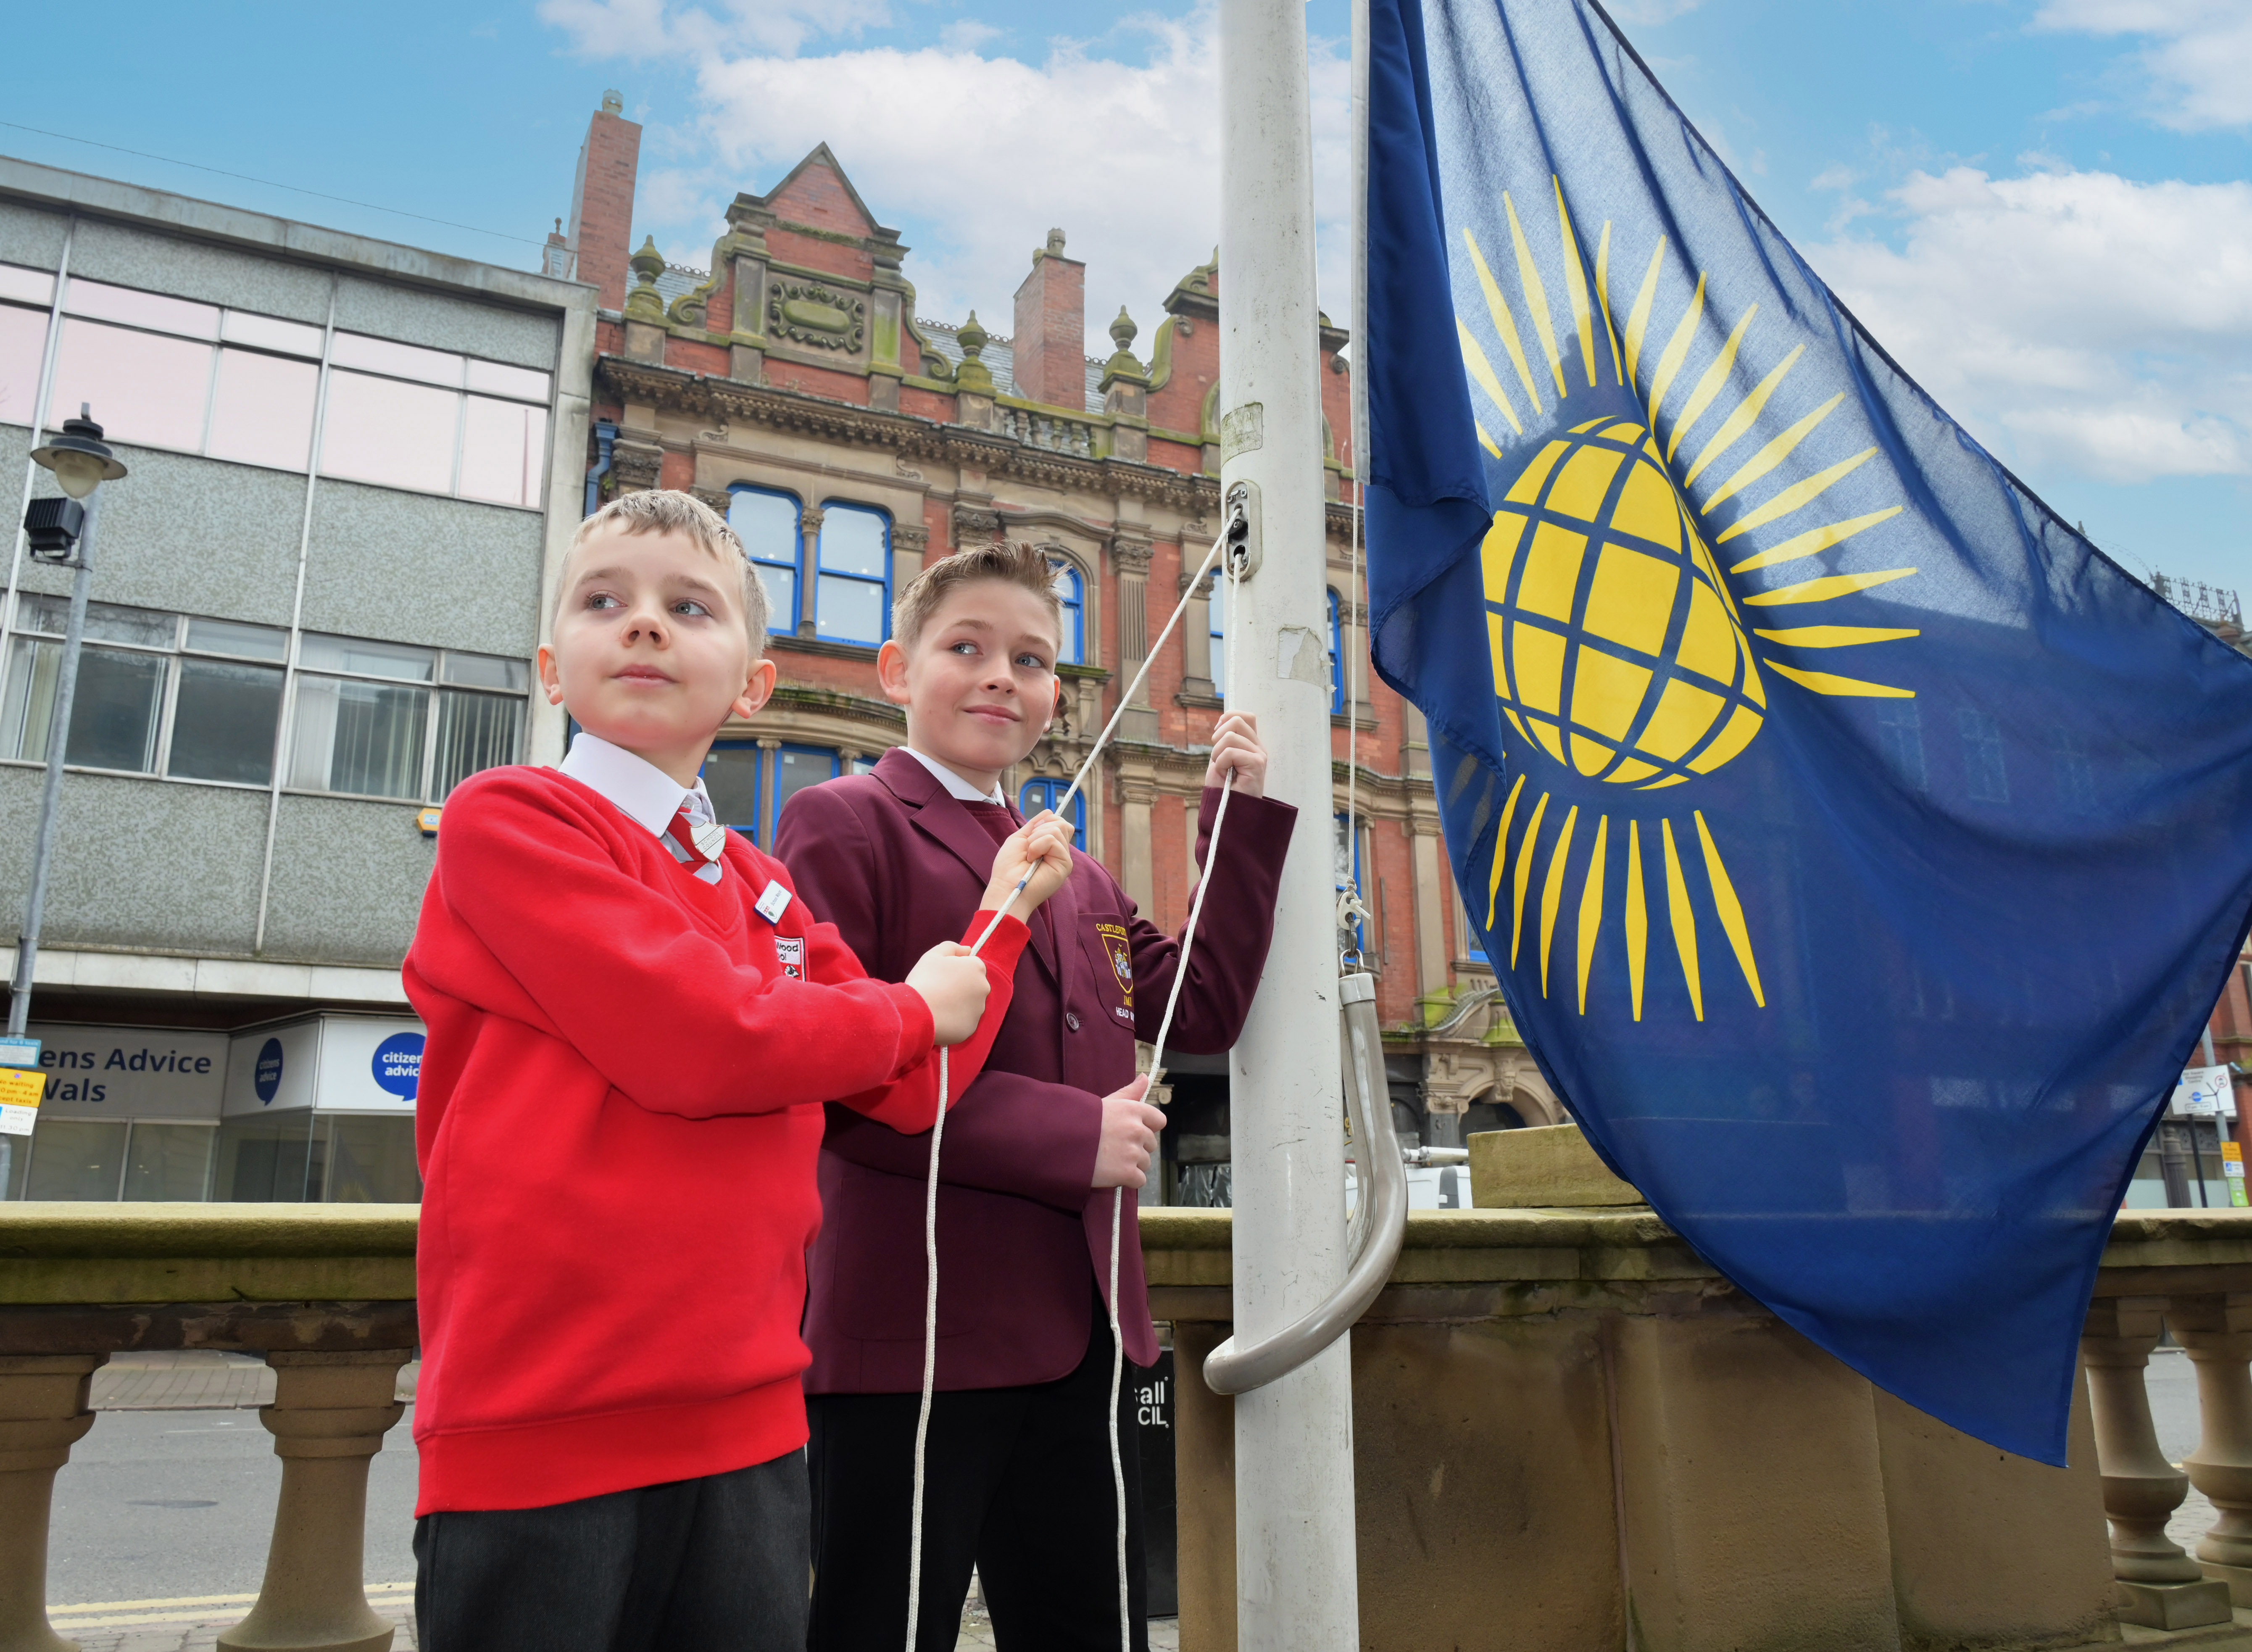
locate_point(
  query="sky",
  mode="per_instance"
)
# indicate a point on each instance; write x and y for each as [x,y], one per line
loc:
[2042,208]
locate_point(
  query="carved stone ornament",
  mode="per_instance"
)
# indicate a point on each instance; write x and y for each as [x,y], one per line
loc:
[818,316]
[636,466]
[902,468]
[716,498]
[1131,556]
[910,538]
[969,523]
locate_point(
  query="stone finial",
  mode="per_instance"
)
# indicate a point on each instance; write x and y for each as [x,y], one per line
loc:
[973,374]
[1055,241]
[614,102]
[1122,364]
[645,302]
[1122,330]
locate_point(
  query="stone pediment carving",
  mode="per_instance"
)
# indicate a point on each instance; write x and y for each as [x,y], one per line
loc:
[817,315]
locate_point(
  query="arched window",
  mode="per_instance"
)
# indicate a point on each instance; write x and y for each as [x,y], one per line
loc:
[852,579]
[1071,591]
[769,524]
[1046,793]
[1337,659]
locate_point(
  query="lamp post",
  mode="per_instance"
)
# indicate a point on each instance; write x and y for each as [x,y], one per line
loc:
[61,533]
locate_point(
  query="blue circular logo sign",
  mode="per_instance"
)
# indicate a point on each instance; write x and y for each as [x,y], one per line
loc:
[398,1064]
[266,1077]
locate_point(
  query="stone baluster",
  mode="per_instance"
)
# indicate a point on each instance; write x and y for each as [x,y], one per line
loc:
[43,1415]
[2158,1586]
[2217,1331]
[328,1417]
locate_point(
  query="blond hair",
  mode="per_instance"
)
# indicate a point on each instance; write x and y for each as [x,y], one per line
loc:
[1018,564]
[667,511]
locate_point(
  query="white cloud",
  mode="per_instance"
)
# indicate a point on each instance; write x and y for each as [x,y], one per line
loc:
[639,29]
[2073,321]
[967,34]
[2199,57]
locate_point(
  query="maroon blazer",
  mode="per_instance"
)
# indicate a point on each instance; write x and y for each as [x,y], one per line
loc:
[898,866]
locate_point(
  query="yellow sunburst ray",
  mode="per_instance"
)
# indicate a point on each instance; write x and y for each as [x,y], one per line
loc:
[1715,379]
[1501,851]
[1745,416]
[1575,285]
[1552,892]
[1603,295]
[1637,320]
[1504,322]
[1834,636]
[1635,917]
[1815,540]
[1486,440]
[1845,687]
[1591,907]
[1797,495]
[1826,589]
[1524,877]
[1732,911]
[1684,921]
[1482,370]
[1677,350]
[1536,295]
[1774,453]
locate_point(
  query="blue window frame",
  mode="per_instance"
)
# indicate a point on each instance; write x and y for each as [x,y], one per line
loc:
[1219,607]
[1071,591]
[1046,793]
[796,768]
[732,778]
[852,575]
[770,526]
[1337,660]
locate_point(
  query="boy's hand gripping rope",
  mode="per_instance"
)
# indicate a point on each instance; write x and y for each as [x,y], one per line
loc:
[1117,1194]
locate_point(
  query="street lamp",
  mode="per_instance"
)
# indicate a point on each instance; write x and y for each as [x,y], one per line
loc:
[60,533]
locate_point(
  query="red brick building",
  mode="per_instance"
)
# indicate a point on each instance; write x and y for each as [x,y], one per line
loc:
[792,385]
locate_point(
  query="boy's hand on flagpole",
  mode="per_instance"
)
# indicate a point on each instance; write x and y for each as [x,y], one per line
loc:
[954,984]
[1129,1142]
[1042,847]
[1236,745]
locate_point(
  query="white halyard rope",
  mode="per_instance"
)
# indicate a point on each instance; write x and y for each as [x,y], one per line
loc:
[1117,1196]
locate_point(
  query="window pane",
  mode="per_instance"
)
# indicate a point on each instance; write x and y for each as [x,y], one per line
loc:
[31,286]
[76,1159]
[23,347]
[251,641]
[504,451]
[292,337]
[796,770]
[474,732]
[730,776]
[262,412]
[781,596]
[140,387]
[382,431]
[140,309]
[113,711]
[224,720]
[520,383]
[400,361]
[358,737]
[371,1162]
[105,621]
[767,523]
[29,704]
[169,1162]
[488,670]
[362,658]
[851,610]
[1066,588]
[852,541]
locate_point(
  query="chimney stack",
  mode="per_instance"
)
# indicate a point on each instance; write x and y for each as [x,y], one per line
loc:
[603,200]
[1050,349]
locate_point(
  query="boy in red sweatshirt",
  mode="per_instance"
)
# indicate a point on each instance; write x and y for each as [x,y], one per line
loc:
[633,1026]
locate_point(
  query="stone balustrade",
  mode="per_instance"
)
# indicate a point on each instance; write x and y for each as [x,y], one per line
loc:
[1569,1432]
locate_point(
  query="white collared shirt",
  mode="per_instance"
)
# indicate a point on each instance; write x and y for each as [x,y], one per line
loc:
[642,793]
[955,786]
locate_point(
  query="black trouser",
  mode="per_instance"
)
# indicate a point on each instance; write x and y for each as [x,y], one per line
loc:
[715,1564]
[1016,1481]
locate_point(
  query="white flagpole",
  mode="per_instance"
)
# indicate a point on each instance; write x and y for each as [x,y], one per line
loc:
[1295,1588]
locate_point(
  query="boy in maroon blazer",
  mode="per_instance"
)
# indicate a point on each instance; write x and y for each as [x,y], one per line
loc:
[1019,1481]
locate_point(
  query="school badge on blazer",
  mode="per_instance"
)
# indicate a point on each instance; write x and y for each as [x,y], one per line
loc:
[1113,937]
[790,951]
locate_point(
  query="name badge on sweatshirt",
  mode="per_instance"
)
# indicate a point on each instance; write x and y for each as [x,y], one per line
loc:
[771,905]
[791,950]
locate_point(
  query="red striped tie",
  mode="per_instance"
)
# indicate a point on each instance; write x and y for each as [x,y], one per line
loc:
[704,843]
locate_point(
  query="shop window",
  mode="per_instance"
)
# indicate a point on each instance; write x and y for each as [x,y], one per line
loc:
[1071,593]
[77,1159]
[169,1162]
[852,595]
[1048,793]
[368,1161]
[768,523]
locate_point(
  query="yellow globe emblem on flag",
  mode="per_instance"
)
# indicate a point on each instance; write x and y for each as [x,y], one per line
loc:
[1616,646]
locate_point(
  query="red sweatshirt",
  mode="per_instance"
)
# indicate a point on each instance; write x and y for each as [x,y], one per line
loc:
[618,1125]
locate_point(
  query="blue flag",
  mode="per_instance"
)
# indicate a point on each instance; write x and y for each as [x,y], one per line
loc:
[1859,850]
